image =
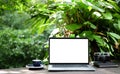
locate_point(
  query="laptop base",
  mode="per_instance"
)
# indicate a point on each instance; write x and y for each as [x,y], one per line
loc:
[88,68]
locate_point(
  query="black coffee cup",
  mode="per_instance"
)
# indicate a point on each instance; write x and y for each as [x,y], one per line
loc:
[36,62]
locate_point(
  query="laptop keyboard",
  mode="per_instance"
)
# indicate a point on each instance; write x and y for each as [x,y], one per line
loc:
[70,65]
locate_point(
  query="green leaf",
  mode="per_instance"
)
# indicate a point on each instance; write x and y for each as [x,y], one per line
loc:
[72,35]
[73,27]
[39,25]
[116,15]
[119,22]
[41,28]
[91,25]
[107,15]
[106,4]
[111,48]
[113,35]
[115,41]
[117,25]
[89,8]
[101,50]
[87,34]
[116,7]
[93,6]
[99,40]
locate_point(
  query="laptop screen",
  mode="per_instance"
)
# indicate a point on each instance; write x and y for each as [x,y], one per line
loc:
[68,50]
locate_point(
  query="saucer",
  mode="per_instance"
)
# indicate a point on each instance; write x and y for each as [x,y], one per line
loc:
[31,66]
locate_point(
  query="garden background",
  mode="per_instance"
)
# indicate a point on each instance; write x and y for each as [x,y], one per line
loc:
[26,25]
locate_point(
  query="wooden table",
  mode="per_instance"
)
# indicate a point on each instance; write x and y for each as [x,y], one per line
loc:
[45,71]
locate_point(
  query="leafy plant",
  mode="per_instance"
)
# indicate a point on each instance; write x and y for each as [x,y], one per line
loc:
[97,20]
[15,20]
[20,46]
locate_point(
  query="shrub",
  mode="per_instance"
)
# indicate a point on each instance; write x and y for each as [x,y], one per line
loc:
[14,20]
[19,47]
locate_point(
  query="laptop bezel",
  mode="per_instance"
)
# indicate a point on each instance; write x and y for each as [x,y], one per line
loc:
[67,63]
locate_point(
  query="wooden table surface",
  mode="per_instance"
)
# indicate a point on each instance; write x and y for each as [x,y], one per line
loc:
[45,71]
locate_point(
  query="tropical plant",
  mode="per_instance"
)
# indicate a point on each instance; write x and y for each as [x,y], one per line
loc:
[97,20]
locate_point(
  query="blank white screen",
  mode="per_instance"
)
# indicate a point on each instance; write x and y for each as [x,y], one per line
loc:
[68,50]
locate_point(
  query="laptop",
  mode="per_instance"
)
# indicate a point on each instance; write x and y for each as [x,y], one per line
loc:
[69,54]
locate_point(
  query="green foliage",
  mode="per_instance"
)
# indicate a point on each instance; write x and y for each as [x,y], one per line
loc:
[73,27]
[40,15]
[97,20]
[25,37]
[19,47]
[26,25]
[14,20]
[13,5]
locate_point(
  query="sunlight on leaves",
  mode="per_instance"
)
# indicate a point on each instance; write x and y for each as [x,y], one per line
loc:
[114,35]
[73,27]
[107,15]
